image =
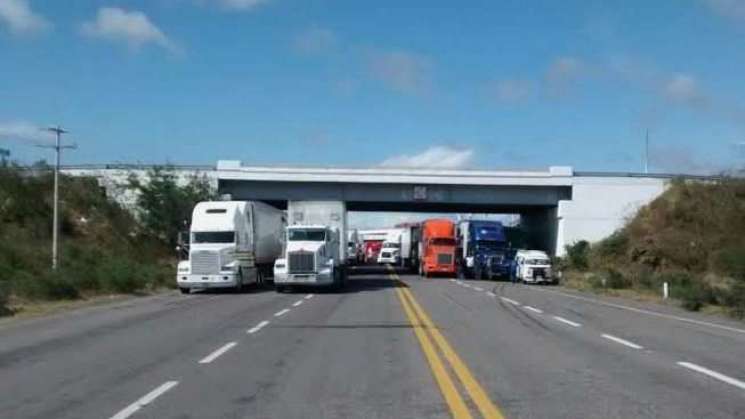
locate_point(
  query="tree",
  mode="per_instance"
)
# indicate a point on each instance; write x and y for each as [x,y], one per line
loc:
[164,205]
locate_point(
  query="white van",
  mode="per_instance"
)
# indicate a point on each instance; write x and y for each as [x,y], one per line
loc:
[534,266]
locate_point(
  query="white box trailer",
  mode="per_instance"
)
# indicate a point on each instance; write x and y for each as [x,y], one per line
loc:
[316,245]
[231,244]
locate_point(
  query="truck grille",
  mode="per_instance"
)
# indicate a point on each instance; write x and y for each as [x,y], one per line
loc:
[385,255]
[301,262]
[444,259]
[204,262]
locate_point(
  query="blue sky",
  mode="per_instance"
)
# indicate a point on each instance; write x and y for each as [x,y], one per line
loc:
[482,84]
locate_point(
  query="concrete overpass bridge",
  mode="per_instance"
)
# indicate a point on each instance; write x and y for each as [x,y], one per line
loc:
[558,206]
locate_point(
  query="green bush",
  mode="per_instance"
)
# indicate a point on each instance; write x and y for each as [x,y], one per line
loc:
[735,299]
[577,255]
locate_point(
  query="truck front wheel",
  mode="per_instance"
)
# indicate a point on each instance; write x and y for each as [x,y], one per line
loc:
[184,290]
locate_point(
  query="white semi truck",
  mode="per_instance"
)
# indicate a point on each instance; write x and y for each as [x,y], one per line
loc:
[315,247]
[231,244]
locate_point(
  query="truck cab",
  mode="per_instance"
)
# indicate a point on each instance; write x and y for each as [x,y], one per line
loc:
[230,244]
[482,249]
[311,258]
[390,252]
[438,247]
[219,235]
[534,267]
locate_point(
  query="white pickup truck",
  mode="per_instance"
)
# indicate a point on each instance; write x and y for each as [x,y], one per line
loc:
[534,266]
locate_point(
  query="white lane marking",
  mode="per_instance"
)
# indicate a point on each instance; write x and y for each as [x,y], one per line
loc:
[309,296]
[643,311]
[491,294]
[719,376]
[509,300]
[144,400]
[281,312]
[297,303]
[258,327]
[622,341]
[533,309]
[213,356]
[569,322]
[452,280]
[479,289]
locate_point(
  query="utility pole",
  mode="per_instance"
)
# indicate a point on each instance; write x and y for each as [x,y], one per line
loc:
[646,152]
[58,131]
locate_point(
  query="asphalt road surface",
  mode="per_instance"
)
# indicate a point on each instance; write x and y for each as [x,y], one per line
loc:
[390,345]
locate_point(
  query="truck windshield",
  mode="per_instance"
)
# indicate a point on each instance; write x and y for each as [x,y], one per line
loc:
[537,262]
[490,244]
[442,241]
[213,237]
[391,245]
[306,235]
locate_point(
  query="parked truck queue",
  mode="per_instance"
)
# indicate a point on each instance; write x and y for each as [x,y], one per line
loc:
[234,244]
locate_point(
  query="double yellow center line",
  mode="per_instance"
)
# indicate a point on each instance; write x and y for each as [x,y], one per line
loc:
[426,332]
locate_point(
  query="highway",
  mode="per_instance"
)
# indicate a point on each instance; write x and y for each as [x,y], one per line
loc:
[390,345]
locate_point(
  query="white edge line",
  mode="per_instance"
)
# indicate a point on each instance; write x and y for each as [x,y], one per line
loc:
[569,322]
[479,289]
[713,374]
[281,312]
[297,303]
[258,327]
[144,400]
[533,309]
[491,294]
[622,341]
[309,296]
[509,300]
[213,356]
[643,311]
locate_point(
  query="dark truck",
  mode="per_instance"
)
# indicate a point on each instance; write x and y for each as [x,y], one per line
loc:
[482,250]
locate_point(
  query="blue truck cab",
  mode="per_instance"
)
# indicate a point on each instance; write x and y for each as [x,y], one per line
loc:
[482,249]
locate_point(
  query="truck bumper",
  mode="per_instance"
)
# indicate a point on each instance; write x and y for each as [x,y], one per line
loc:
[391,260]
[439,269]
[228,280]
[311,279]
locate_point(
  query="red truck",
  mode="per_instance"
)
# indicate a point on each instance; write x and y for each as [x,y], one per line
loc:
[437,253]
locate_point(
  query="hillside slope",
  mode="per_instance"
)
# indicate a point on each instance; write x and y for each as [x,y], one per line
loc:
[103,248]
[692,236]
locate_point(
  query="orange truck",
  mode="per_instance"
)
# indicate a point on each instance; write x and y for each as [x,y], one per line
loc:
[437,247]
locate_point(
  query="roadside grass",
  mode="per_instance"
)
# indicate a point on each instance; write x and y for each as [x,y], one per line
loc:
[104,249]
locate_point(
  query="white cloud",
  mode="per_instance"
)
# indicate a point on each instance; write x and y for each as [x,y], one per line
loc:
[19,17]
[683,88]
[510,91]
[24,131]
[437,157]
[315,40]
[240,5]
[728,8]
[402,71]
[133,28]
